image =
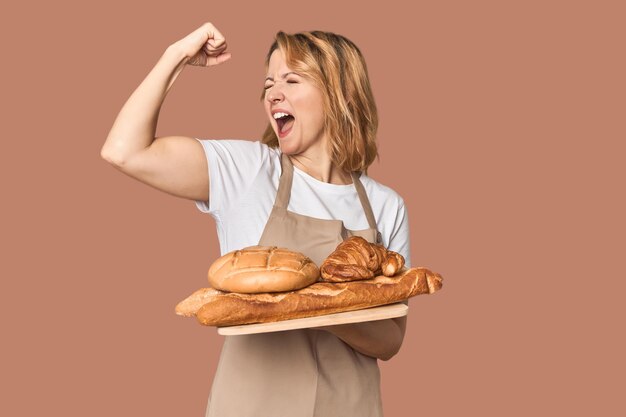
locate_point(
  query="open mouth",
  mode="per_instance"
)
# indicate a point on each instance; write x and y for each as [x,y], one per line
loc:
[284,122]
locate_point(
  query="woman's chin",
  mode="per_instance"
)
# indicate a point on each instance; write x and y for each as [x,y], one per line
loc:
[287,147]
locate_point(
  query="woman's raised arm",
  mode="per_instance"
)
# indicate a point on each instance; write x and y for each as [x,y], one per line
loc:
[174,164]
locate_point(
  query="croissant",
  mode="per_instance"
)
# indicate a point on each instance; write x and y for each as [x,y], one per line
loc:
[356,259]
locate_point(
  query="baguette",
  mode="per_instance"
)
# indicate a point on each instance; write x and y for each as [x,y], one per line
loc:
[216,308]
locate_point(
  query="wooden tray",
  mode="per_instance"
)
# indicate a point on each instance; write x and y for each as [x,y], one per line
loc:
[369,314]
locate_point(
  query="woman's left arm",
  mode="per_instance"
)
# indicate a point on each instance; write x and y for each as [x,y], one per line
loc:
[379,339]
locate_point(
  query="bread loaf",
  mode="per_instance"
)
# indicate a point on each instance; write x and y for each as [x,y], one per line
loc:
[355,258]
[260,269]
[216,308]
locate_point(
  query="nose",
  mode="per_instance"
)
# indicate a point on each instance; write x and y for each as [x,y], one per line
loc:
[275,94]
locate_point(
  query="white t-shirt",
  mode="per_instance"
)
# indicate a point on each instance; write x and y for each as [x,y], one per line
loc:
[244,179]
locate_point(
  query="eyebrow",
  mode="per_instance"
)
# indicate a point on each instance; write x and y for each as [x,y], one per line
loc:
[283,76]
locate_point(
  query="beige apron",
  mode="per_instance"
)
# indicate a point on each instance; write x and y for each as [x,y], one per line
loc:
[305,372]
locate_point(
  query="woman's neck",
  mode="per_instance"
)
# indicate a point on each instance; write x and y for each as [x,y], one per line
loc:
[319,166]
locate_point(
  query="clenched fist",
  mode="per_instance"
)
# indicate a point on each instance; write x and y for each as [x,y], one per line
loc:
[203,47]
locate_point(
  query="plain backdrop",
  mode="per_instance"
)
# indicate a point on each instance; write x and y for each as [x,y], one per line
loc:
[501,125]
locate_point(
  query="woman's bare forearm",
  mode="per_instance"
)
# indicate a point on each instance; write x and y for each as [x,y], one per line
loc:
[379,339]
[134,128]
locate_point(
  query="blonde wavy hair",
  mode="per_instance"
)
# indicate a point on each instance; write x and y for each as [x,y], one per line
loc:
[335,64]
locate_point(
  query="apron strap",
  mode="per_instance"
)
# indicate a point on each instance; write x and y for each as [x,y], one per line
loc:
[284,184]
[365,202]
[284,192]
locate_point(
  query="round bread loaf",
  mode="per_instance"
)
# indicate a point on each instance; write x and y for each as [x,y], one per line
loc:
[258,269]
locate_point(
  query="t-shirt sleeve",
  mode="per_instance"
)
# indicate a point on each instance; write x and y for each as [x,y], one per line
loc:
[233,165]
[399,240]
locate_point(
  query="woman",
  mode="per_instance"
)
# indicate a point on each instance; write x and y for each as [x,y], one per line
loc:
[303,187]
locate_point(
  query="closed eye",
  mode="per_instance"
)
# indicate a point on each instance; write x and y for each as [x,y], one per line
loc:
[288,82]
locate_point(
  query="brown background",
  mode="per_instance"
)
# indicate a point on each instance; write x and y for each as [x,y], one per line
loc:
[502,126]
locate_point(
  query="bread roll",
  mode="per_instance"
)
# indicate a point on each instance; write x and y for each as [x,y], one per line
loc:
[260,269]
[355,258]
[216,308]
